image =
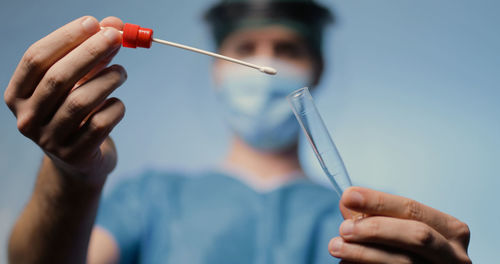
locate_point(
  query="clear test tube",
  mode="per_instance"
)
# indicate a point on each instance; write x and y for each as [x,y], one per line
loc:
[317,134]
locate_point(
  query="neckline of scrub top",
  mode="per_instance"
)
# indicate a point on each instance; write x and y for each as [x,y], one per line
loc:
[247,179]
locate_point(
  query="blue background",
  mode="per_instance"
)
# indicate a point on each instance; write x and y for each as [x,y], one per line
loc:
[411,95]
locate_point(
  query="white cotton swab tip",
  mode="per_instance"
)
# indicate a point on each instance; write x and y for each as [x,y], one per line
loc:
[268,70]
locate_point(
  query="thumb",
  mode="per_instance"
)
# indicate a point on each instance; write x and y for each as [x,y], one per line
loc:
[346,213]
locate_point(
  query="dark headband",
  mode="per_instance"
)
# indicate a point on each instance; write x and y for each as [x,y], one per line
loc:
[307,17]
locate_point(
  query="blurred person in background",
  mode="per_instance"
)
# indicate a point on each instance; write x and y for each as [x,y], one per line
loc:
[256,207]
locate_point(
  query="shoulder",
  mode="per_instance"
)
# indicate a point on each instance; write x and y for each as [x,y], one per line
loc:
[159,182]
[153,177]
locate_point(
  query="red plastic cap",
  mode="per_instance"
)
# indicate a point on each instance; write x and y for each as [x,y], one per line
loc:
[134,36]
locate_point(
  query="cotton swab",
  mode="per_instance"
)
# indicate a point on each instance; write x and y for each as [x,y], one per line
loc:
[263,69]
[134,36]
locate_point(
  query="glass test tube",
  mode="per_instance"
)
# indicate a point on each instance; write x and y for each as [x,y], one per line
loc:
[317,134]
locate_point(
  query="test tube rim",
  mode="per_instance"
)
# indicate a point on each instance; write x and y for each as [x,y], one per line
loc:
[299,92]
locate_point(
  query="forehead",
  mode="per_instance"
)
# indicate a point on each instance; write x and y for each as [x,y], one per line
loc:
[271,33]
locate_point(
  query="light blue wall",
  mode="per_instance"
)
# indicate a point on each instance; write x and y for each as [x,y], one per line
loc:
[411,95]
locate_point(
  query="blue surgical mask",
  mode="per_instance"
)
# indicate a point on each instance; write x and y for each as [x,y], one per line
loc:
[255,104]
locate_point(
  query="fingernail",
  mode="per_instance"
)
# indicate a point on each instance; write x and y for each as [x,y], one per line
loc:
[346,228]
[90,25]
[111,34]
[336,245]
[356,198]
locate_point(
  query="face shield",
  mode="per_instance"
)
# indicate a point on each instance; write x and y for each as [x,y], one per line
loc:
[305,17]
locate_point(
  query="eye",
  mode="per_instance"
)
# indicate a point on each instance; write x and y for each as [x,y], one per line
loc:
[290,50]
[245,49]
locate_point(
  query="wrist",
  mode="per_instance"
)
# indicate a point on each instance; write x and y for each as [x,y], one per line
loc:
[55,173]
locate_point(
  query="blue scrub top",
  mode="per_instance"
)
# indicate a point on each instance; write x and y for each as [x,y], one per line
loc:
[163,217]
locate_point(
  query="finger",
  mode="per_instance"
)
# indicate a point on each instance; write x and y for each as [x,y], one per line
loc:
[97,69]
[107,22]
[346,213]
[112,22]
[408,235]
[108,150]
[82,101]
[378,203]
[364,254]
[98,127]
[63,75]
[45,52]
[349,214]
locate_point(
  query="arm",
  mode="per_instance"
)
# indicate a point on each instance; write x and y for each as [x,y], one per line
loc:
[397,230]
[56,224]
[58,94]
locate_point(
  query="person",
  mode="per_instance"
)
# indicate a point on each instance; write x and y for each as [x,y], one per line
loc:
[258,207]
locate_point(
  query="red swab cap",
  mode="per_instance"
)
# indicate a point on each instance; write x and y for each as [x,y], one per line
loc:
[134,36]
